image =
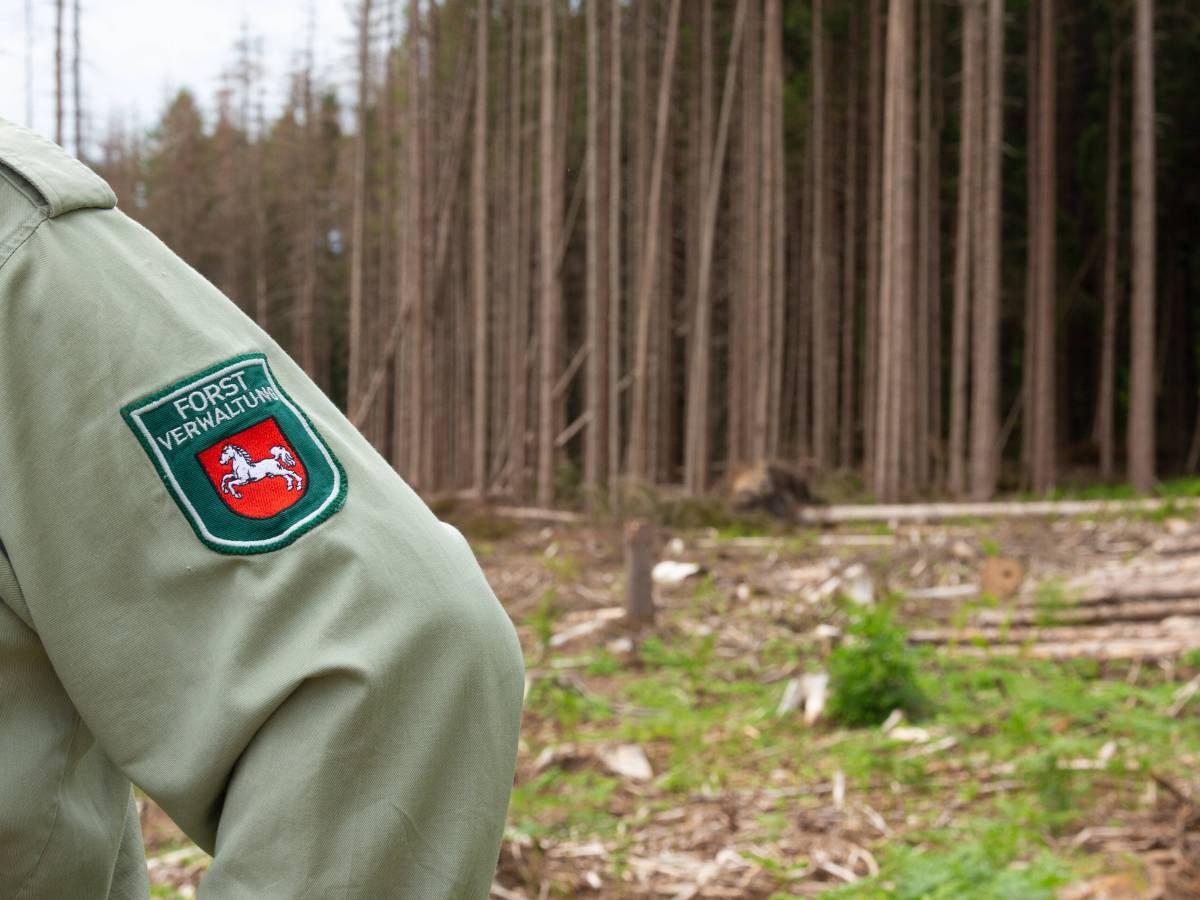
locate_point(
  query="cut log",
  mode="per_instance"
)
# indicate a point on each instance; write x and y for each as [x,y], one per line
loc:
[928,512]
[1149,648]
[1131,611]
[1170,629]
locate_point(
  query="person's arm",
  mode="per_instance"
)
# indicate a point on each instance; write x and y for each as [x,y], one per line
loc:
[331,709]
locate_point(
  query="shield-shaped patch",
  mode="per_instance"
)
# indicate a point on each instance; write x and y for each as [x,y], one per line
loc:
[243,463]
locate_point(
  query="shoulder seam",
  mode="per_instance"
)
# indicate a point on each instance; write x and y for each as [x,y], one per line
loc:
[22,233]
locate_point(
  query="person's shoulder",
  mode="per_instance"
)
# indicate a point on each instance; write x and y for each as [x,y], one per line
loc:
[49,180]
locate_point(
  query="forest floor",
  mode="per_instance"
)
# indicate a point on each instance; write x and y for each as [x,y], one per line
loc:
[1059,756]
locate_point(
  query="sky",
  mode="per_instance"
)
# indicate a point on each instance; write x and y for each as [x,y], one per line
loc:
[138,53]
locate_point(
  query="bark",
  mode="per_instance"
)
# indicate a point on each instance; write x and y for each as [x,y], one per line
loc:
[59,15]
[306,305]
[985,461]
[874,230]
[964,240]
[595,440]
[479,248]
[639,563]
[696,451]
[821,406]
[640,424]
[1044,419]
[847,429]
[1141,438]
[549,237]
[615,341]
[1105,430]
[926,234]
[896,264]
[770,273]
[77,80]
[358,249]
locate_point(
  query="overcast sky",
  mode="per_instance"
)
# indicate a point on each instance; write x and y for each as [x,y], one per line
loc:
[137,53]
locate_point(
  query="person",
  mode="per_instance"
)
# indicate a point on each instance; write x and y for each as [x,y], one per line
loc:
[213,588]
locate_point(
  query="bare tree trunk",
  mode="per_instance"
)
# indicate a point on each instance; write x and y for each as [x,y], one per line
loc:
[775,238]
[1044,418]
[771,197]
[696,449]
[926,234]
[896,271]
[1032,256]
[59,15]
[821,402]
[305,307]
[77,81]
[479,256]
[850,255]
[549,238]
[985,461]
[1141,388]
[520,224]
[874,231]
[614,246]
[968,190]
[935,437]
[358,239]
[595,466]
[639,460]
[28,63]
[409,419]
[1105,431]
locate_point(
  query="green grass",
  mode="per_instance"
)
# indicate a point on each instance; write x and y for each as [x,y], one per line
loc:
[709,726]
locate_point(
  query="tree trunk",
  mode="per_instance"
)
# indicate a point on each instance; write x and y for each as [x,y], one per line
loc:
[615,319]
[358,239]
[59,15]
[964,240]
[895,356]
[640,424]
[926,235]
[1044,417]
[77,80]
[846,432]
[549,238]
[822,408]
[1141,385]
[479,255]
[696,448]
[985,461]
[770,271]
[595,465]
[1105,431]
[874,231]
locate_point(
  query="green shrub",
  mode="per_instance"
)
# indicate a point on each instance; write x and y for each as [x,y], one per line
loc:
[874,672]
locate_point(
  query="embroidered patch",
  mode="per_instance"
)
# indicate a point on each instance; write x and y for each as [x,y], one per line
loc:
[245,465]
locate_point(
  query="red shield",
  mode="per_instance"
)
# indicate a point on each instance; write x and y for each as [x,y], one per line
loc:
[255,471]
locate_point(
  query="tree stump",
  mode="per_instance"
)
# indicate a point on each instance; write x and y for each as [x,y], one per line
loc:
[639,561]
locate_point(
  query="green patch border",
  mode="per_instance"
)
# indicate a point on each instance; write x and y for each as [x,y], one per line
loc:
[168,479]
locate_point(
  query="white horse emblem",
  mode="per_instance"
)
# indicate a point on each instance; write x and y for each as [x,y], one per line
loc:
[247,471]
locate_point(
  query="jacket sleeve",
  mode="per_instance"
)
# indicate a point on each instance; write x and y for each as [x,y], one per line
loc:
[334,718]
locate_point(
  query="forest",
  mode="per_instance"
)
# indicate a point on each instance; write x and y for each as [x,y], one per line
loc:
[916,248]
[576,267]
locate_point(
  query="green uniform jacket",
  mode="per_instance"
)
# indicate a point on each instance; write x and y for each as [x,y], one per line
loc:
[318,686]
